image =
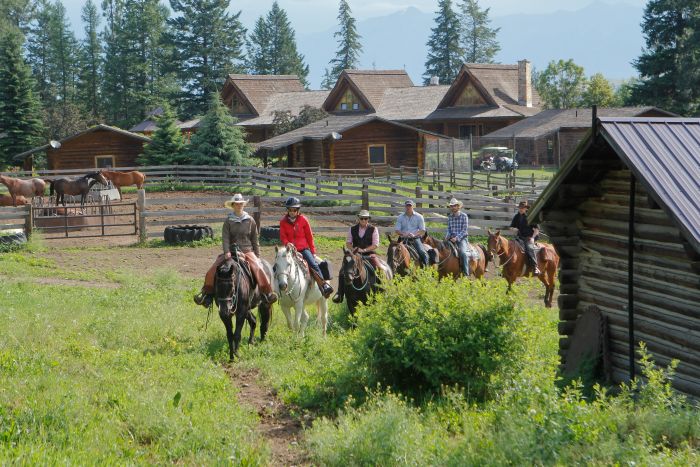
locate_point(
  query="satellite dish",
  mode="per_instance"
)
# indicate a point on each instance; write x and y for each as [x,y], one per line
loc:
[336,136]
[55,144]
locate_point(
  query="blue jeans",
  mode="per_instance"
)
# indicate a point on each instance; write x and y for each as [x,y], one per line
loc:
[309,257]
[464,254]
[418,245]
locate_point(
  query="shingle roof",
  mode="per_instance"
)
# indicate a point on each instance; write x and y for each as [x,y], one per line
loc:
[258,89]
[370,84]
[292,101]
[549,121]
[414,103]
[663,154]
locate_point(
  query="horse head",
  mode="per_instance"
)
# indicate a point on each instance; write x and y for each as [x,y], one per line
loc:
[351,264]
[496,243]
[284,262]
[98,177]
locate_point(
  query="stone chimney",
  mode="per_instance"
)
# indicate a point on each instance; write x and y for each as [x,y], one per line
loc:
[525,83]
[434,80]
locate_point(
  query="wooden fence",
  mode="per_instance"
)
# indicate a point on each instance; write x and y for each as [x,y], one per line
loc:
[16,218]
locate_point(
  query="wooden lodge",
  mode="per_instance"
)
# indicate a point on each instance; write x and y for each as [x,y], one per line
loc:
[631,182]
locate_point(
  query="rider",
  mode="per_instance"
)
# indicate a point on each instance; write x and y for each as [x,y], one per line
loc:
[240,230]
[458,232]
[295,229]
[527,234]
[411,227]
[362,238]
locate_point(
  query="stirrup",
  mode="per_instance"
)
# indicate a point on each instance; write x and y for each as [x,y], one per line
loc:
[326,291]
[536,272]
[337,298]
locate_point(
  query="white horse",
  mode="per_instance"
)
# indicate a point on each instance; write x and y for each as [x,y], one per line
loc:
[296,288]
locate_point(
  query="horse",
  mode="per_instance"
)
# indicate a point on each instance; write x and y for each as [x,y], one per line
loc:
[80,186]
[400,255]
[19,187]
[120,179]
[449,262]
[7,200]
[296,288]
[514,262]
[360,278]
[236,294]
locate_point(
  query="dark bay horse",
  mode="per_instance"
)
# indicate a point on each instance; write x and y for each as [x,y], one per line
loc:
[120,179]
[360,278]
[514,262]
[400,255]
[449,263]
[237,295]
[26,188]
[79,186]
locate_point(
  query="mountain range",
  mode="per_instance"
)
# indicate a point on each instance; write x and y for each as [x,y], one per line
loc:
[602,37]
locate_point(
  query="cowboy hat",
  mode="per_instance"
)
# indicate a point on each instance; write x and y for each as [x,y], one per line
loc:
[523,204]
[363,213]
[236,199]
[454,202]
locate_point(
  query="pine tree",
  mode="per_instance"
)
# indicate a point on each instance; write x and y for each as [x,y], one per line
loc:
[218,141]
[208,46]
[272,47]
[349,48]
[15,16]
[20,118]
[444,50]
[478,39]
[39,49]
[90,63]
[668,68]
[167,145]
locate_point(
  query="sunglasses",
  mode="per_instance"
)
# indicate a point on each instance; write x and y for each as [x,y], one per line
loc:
[364,218]
[293,210]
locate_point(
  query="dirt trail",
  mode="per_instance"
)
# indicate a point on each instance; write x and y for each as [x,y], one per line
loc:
[282,432]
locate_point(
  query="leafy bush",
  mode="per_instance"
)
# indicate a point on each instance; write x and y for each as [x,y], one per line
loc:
[422,334]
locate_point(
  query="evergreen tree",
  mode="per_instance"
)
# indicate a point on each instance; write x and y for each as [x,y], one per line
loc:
[561,85]
[208,46]
[218,141]
[273,48]
[478,39]
[444,50]
[284,121]
[599,92]
[669,67]
[349,48]
[20,118]
[15,15]
[39,49]
[90,63]
[167,145]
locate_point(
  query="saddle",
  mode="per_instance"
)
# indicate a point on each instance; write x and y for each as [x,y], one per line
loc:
[225,269]
[521,245]
[415,257]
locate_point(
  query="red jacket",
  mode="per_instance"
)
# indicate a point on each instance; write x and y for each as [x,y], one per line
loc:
[297,233]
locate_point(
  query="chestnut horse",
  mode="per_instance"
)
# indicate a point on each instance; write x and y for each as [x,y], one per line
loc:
[514,262]
[6,200]
[449,262]
[18,187]
[400,255]
[120,179]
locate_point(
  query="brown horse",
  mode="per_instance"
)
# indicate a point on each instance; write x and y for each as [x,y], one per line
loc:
[79,186]
[18,187]
[449,263]
[398,257]
[120,179]
[514,262]
[6,200]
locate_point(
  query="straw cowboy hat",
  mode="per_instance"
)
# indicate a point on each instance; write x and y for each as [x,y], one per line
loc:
[523,204]
[363,213]
[454,202]
[236,199]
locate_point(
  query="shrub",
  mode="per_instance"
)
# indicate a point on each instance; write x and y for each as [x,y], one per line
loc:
[421,334]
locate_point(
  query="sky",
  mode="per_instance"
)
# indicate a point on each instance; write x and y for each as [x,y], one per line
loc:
[318,15]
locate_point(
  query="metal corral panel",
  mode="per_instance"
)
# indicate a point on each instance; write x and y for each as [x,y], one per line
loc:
[664,154]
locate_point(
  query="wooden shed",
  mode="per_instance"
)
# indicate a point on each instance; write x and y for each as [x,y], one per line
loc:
[624,214]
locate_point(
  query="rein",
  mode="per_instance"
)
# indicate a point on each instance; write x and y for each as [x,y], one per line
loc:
[233,300]
[291,269]
[359,273]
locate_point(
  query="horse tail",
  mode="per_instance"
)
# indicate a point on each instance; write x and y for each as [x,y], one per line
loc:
[51,182]
[487,256]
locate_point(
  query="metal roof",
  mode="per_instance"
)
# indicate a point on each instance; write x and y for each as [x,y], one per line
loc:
[663,154]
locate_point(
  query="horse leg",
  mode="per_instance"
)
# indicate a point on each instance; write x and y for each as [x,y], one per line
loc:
[240,321]
[302,317]
[288,314]
[252,322]
[548,286]
[323,314]
[226,318]
[265,315]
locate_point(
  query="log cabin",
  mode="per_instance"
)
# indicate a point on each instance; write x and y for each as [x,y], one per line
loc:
[624,214]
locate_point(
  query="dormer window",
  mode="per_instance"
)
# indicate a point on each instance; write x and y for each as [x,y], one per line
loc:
[349,101]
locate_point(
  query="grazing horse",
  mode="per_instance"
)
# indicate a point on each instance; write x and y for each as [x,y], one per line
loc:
[296,288]
[27,188]
[80,186]
[7,200]
[120,179]
[236,294]
[449,262]
[514,262]
[360,278]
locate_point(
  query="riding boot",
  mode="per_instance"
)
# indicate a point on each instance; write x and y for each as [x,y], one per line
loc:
[323,286]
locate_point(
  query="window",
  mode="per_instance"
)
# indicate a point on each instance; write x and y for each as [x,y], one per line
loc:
[343,106]
[104,162]
[377,154]
[355,106]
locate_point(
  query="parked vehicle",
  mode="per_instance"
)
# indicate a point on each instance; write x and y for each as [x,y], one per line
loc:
[498,158]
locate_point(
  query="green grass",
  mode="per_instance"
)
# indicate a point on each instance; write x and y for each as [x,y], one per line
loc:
[94,375]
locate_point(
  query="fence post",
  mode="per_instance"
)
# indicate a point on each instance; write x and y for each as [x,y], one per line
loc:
[141,206]
[417,174]
[419,195]
[388,173]
[365,195]
[267,180]
[303,183]
[401,174]
[494,189]
[257,203]
[29,221]
[471,165]
[532,181]
[374,175]
[340,185]
[488,178]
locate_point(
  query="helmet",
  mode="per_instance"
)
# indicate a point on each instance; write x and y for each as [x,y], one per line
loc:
[292,203]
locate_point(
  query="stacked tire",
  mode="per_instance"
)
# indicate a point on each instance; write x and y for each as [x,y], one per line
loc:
[13,239]
[270,233]
[187,233]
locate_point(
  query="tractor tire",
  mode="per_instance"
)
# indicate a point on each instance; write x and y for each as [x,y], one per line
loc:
[187,233]
[13,239]
[270,233]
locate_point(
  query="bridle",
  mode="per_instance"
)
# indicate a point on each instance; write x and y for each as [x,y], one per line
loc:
[502,252]
[398,255]
[359,270]
[289,272]
[232,301]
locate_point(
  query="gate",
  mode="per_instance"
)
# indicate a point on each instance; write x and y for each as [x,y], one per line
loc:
[99,217]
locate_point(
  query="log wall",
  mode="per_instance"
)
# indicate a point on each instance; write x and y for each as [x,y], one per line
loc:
[80,152]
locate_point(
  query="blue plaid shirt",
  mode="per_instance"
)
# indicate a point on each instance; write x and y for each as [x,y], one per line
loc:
[457,226]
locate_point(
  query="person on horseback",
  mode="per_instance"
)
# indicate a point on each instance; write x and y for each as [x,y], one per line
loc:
[410,226]
[295,229]
[240,233]
[458,233]
[362,238]
[527,235]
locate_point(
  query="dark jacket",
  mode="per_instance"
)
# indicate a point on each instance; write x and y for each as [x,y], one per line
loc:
[243,233]
[364,241]
[525,230]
